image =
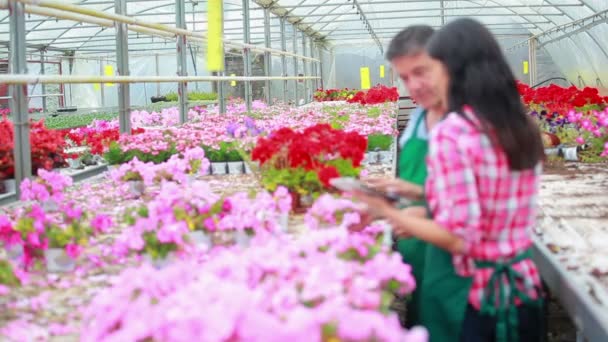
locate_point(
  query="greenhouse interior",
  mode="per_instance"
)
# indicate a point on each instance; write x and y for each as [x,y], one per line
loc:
[256,170]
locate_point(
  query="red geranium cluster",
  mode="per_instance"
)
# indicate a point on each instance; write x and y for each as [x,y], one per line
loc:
[557,99]
[376,95]
[313,149]
[97,140]
[47,148]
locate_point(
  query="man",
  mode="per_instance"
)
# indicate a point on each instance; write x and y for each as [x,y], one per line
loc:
[418,71]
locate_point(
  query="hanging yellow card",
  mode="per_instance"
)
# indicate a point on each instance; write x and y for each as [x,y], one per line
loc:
[382,71]
[365,80]
[108,70]
[526,67]
[96,87]
[232,83]
[215,45]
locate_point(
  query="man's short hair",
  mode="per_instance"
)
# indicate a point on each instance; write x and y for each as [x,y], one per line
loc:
[410,41]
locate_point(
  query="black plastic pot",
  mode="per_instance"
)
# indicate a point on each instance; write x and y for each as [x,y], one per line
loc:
[155,99]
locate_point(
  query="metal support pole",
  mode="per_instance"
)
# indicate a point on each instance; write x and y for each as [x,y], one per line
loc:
[313,67]
[157,67]
[267,64]
[442,6]
[320,56]
[283,59]
[305,67]
[22,151]
[182,60]
[295,65]
[101,85]
[532,43]
[247,53]
[221,94]
[122,66]
[42,72]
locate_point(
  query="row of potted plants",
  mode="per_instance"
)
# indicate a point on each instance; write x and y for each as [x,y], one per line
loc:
[570,118]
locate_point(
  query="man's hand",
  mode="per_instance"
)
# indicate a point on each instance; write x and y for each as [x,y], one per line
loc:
[399,187]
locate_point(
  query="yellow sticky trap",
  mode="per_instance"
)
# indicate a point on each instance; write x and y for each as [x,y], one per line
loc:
[108,70]
[96,87]
[382,71]
[365,80]
[232,83]
[215,46]
[526,67]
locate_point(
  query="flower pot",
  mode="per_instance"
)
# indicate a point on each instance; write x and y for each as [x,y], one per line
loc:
[248,169]
[222,238]
[242,238]
[10,186]
[373,157]
[58,261]
[218,168]
[75,164]
[159,263]
[14,252]
[199,239]
[50,206]
[235,168]
[300,204]
[385,157]
[284,222]
[136,188]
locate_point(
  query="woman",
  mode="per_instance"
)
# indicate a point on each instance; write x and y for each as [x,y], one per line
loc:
[483,178]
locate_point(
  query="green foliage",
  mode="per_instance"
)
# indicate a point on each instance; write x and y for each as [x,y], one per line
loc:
[298,180]
[156,249]
[379,142]
[116,156]
[230,152]
[594,150]
[374,112]
[172,97]
[214,155]
[192,96]
[63,121]
[7,276]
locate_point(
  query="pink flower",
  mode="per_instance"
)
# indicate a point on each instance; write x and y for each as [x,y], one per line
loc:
[73,250]
[101,223]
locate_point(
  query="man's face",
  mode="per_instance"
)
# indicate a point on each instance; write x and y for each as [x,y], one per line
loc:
[420,75]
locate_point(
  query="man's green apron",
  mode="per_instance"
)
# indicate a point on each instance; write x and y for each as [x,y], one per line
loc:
[412,168]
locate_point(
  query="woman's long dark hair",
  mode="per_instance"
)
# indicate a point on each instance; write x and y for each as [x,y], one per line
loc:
[481,78]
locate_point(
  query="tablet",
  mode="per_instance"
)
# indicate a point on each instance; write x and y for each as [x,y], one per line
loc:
[352,184]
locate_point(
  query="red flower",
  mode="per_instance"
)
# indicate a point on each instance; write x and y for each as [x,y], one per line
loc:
[326,174]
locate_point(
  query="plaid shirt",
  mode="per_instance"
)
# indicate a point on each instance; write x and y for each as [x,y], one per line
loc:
[472,192]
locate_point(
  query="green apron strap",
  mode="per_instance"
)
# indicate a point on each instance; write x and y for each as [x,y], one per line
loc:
[503,306]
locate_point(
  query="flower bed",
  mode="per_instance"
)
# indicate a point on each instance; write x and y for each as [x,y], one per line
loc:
[261,286]
[572,116]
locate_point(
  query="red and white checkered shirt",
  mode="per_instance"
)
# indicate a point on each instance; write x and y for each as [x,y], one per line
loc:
[472,192]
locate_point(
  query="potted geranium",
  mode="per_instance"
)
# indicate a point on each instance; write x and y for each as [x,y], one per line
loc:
[305,161]
[217,157]
[234,159]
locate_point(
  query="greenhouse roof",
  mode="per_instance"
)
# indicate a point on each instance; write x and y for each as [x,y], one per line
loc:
[575,32]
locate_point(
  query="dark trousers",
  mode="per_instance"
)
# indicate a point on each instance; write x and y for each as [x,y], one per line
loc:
[482,328]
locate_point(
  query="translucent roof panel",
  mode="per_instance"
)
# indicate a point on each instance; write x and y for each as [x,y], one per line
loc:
[557,25]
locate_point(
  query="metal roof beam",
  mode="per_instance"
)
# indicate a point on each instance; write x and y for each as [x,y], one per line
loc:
[424,1]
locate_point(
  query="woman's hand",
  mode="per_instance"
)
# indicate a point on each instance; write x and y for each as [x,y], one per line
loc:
[398,229]
[397,186]
[376,207]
